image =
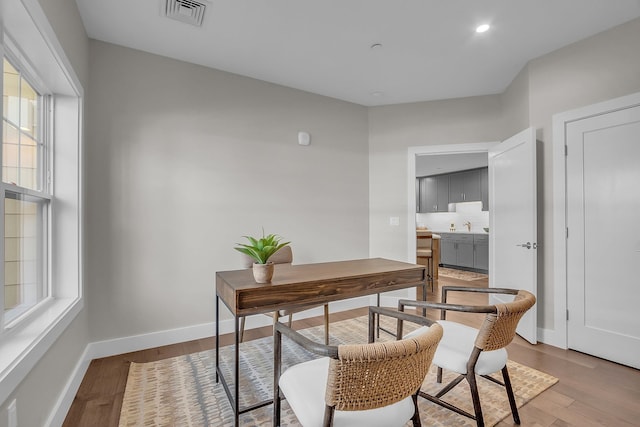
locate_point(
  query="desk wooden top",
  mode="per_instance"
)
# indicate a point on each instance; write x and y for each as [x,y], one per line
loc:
[302,285]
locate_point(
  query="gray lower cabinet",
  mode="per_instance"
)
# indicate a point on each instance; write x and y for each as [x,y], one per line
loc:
[481,252]
[448,251]
[465,250]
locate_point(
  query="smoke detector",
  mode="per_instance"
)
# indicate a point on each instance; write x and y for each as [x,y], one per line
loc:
[189,11]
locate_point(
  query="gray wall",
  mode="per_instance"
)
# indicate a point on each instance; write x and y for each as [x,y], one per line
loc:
[598,68]
[183,160]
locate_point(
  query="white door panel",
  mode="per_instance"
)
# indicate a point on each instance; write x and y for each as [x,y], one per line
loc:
[603,246]
[512,222]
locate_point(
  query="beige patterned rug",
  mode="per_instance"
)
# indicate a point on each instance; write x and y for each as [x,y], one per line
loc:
[182,391]
[461,274]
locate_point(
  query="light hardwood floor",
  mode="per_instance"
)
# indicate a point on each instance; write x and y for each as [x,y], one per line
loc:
[591,391]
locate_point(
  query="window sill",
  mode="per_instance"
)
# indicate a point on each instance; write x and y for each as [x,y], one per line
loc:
[22,348]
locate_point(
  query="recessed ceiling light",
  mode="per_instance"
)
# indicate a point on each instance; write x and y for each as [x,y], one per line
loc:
[483,28]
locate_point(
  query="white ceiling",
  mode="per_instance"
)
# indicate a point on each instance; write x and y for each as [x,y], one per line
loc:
[429,47]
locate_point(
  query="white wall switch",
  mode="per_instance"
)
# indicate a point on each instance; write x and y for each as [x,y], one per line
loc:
[394,220]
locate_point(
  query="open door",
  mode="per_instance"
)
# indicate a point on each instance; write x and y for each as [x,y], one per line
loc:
[512,221]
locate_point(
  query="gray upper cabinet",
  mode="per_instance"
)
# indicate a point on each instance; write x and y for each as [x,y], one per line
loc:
[465,186]
[434,193]
[429,191]
[442,198]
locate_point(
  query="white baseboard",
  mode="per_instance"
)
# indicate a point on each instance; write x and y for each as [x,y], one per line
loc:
[99,349]
[551,337]
[62,406]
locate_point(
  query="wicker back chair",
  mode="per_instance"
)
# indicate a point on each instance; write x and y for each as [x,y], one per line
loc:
[469,351]
[283,256]
[373,384]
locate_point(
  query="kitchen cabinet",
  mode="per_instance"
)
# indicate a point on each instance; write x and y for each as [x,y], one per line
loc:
[433,193]
[448,254]
[469,251]
[464,186]
[481,252]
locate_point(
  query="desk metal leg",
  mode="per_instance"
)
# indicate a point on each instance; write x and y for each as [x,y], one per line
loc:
[217,336]
[236,374]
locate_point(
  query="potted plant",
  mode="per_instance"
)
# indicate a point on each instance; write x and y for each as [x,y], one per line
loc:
[261,249]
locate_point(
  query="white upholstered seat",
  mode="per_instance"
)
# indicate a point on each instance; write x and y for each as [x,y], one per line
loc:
[456,346]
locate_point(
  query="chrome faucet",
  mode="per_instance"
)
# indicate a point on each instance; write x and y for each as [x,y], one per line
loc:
[468,225]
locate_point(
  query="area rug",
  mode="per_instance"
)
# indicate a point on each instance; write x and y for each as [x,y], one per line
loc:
[181,391]
[461,274]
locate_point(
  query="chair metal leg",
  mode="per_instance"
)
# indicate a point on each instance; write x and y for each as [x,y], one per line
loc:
[416,415]
[328,416]
[512,398]
[475,397]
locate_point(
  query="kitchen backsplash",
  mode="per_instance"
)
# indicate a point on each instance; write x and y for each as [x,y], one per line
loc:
[442,220]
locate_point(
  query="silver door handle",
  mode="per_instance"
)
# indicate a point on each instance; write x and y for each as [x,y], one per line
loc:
[525,245]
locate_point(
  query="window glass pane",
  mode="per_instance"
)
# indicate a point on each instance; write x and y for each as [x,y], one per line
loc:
[24,235]
[11,94]
[20,136]
[28,109]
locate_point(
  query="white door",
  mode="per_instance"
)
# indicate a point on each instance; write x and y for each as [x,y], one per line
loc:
[512,221]
[603,244]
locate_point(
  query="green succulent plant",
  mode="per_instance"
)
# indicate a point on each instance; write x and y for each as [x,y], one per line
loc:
[261,249]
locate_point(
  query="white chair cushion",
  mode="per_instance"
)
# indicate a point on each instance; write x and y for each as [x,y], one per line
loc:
[304,386]
[456,346]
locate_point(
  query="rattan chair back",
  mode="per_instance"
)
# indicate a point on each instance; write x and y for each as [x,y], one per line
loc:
[499,329]
[370,376]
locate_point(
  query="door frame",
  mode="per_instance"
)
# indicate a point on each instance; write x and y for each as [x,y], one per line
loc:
[413,152]
[559,335]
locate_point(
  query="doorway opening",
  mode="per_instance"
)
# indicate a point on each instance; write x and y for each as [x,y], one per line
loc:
[469,217]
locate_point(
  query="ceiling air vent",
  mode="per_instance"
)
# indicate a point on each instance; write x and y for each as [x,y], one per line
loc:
[189,11]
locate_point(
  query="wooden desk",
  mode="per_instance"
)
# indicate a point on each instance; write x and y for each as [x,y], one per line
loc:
[302,285]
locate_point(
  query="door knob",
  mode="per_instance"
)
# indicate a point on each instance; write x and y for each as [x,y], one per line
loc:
[525,245]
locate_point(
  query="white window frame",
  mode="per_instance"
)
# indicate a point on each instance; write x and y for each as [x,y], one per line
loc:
[25,28]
